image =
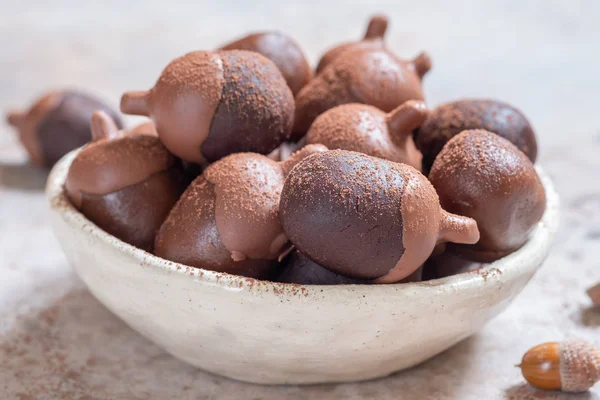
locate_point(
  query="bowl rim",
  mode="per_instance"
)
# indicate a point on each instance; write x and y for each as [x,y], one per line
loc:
[493,272]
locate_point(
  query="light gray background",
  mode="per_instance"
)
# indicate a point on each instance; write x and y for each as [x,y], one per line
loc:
[56,341]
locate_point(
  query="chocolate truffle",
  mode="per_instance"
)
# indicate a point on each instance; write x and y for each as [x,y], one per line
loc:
[374,77]
[124,182]
[57,123]
[207,105]
[483,176]
[283,51]
[448,264]
[228,218]
[373,39]
[365,217]
[448,120]
[368,130]
[302,270]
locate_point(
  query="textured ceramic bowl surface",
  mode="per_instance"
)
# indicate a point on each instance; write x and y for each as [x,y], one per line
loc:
[275,333]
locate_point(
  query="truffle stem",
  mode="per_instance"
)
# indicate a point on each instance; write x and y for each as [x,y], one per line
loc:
[457,229]
[406,118]
[136,102]
[300,155]
[421,64]
[103,126]
[15,118]
[377,27]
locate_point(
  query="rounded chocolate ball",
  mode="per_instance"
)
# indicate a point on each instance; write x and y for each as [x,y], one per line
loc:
[207,105]
[373,39]
[374,77]
[283,51]
[448,120]
[57,123]
[368,130]
[365,217]
[124,182]
[228,218]
[484,176]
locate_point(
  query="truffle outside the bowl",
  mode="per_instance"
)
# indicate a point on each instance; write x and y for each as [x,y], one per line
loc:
[274,333]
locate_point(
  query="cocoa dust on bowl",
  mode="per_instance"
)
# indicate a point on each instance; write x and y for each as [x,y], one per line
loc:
[276,333]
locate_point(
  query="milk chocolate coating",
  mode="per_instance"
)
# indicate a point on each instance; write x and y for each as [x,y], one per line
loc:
[124,182]
[228,218]
[373,40]
[207,105]
[448,264]
[448,120]
[483,176]
[368,130]
[283,51]
[373,77]
[365,217]
[57,123]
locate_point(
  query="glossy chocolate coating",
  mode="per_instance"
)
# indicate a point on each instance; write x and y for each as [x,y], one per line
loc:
[283,51]
[483,176]
[365,217]
[228,218]
[448,120]
[374,77]
[373,39]
[448,264]
[125,182]
[368,130]
[57,123]
[207,105]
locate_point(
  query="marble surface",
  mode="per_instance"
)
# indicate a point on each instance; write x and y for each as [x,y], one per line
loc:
[58,342]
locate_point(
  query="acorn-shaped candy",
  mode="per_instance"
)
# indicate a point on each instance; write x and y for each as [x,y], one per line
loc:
[207,105]
[374,77]
[283,51]
[368,130]
[448,120]
[125,182]
[571,366]
[373,39]
[57,123]
[228,218]
[365,217]
[483,176]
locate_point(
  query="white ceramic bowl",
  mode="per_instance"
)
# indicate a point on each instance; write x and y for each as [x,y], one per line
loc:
[275,333]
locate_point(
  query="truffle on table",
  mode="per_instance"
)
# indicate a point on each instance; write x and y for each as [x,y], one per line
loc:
[365,217]
[368,130]
[126,182]
[57,123]
[448,120]
[228,218]
[207,105]
[368,76]
[484,176]
[283,51]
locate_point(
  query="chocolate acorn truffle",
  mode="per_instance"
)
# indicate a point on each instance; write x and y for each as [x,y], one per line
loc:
[374,77]
[301,270]
[366,129]
[283,51]
[57,123]
[373,39]
[365,217]
[207,105]
[124,182]
[448,120]
[483,176]
[228,218]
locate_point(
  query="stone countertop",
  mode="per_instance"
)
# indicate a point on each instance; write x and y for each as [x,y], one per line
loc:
[58,342]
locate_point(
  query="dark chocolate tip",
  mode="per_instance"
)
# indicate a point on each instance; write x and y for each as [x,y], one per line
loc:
[377,27]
